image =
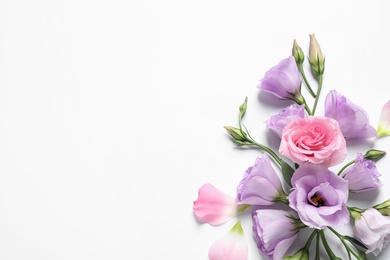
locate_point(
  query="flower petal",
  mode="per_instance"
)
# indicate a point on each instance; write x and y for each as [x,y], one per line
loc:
[384,120]
[214,206]
[231,246]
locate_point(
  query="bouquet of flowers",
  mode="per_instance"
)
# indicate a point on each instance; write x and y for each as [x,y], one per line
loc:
[313,196]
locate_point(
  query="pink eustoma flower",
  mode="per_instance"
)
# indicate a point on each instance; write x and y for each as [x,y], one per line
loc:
[353,120]
[313,139]
[362,176]
[214,206]
[260,184]
[283,80]
[373,229]
[384,120]
[319,196]
[278,122]
[232,246]
[274,230]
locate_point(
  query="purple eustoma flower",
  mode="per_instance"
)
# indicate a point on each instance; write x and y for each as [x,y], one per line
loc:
[260,184]
[274,230]
[362,176]
[352,119]
[283,80]
[319,196]
[373,229]
[277,122]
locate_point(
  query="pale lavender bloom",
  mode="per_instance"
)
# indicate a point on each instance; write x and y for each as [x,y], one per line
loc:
[319,196]
[352,119]
[373,229]
[363,175]
[260,184]
[283,80]
[384,120]
[274,230]
[286,116]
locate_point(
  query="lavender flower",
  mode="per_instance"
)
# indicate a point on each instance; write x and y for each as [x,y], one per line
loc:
[362,176]
[372,229]
[352,119]
[274,231]
[286,116]
[319,196]
[283,80]
[260,184]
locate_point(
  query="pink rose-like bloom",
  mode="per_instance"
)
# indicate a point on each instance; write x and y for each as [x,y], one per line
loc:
[283,80]
[317,140]
[384,120]
[352,119]
[214,206]
[319,196]
[278,122]
[232,246]
[373,229]
[274,231]
[260,184]
[362,176]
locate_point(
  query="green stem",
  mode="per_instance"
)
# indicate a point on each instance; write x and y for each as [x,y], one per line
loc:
[348,248]
[300,100]
[308,243]
[266,149]
[326,245]
[318,93]
[318,247]
[345,166]
[300,67]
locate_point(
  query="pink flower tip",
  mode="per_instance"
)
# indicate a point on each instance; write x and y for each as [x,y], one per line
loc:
[231,246]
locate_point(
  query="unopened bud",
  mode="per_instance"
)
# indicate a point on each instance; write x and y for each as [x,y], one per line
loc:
[236,133]
[297,53]
[302,254]
[316,58]
[374,155]
[383,208]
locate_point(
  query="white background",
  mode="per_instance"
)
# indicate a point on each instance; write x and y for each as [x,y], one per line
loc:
[112,114]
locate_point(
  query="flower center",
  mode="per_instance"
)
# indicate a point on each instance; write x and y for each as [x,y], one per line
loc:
[317,200]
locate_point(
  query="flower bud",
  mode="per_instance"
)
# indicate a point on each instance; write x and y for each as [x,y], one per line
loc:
[374,155]
[383,208]
[236,133]
[297,53]
[302,254]
[316,58]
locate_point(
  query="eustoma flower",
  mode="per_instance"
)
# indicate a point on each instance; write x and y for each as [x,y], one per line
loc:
[232,246]
[312,139]
[214,206]
[384,120]
[319,196]
[352,119]
[283,80]
[274,231]
[278,122]
[260,184]
[373,229]
[362,176]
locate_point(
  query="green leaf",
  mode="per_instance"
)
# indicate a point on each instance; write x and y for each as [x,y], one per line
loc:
[355,241]
[287,172]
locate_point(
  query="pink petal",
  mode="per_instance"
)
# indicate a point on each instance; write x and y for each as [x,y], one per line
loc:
[231,246]
[214,206]
[384,120]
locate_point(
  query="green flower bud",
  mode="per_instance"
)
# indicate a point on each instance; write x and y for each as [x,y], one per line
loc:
[297,53]
[383,208]
[302,254]
[374,155]
[236,133]
[316,58]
